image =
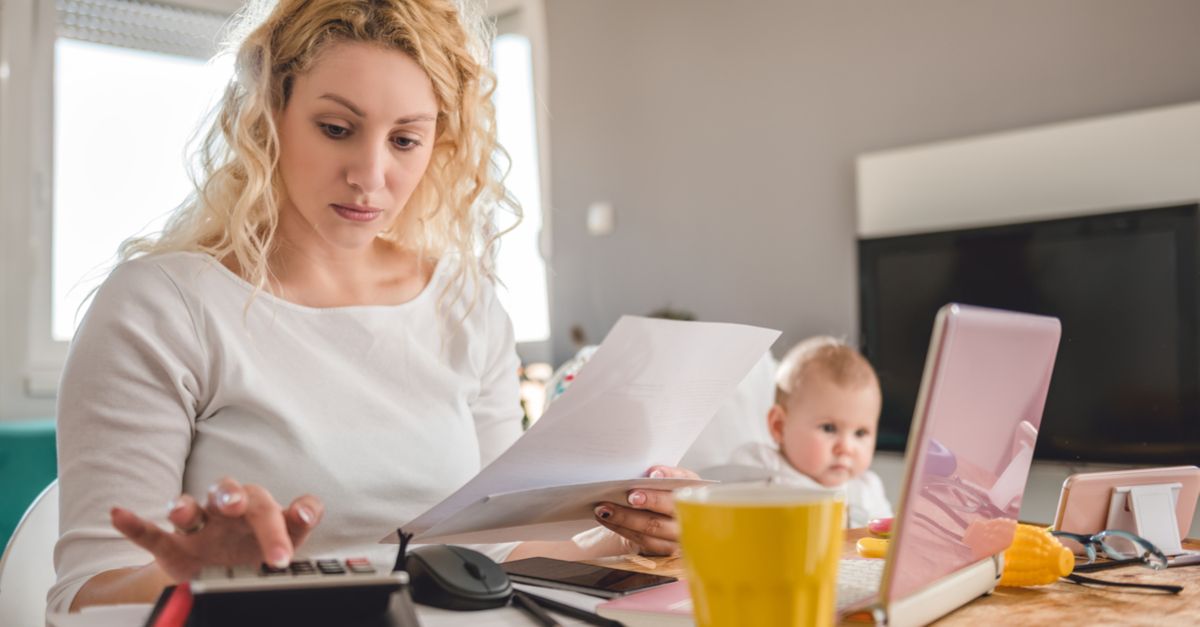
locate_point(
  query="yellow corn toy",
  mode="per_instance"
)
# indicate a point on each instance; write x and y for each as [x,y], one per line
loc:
[871,547]
[1035,558]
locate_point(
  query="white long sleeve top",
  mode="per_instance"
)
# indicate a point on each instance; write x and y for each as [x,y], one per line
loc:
[177,378]
[865,498]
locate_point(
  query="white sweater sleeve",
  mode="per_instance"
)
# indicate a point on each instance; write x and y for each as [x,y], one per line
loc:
[497,409]
[128,399]
[758,455]
[876,501]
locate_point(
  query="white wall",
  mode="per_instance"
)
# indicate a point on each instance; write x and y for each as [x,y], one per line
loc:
[1110,163]
[725,133]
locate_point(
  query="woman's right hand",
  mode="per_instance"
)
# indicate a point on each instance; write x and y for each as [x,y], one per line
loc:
[237,525]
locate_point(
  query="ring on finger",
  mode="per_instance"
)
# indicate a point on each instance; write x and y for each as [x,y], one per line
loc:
[195,527]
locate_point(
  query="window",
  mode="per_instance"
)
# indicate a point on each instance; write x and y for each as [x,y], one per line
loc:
[520,264]
[132,83]
[121,120]
[110,92]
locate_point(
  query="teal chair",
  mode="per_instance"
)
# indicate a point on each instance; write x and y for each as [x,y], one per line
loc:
[27,465]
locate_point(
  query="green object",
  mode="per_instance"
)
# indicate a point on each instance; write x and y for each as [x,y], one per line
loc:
[28,464]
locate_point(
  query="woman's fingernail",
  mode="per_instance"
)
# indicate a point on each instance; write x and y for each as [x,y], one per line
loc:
[306,515]
[603,512]
[278,557]
[174,505]
[637,499]
[657,474]
[226,498]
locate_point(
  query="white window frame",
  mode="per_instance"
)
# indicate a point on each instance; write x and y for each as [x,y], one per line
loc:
[28,367]
[30,359]
[530,18]
[46,355]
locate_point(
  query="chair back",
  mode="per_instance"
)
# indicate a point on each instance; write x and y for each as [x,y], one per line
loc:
[27,566]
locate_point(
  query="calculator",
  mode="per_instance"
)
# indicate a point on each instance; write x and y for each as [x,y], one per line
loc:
[307,592]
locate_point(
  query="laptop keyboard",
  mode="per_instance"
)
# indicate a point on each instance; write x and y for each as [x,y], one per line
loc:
[857,580]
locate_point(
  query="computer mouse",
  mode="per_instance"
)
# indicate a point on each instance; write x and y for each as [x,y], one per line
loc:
[456,578]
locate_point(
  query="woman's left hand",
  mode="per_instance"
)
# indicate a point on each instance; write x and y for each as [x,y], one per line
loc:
[646,523]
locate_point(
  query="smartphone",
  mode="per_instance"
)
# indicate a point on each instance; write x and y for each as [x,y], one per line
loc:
[1083,505]
[599,581]
[1083,502]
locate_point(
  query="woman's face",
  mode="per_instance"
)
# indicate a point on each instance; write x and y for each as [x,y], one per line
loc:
[355,138]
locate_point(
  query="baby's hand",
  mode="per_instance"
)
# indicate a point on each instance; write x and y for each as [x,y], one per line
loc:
[880,527]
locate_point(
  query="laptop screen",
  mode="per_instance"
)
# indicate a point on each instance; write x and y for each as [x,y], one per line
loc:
[971,444]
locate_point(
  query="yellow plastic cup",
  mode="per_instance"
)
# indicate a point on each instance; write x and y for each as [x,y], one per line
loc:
[761,554]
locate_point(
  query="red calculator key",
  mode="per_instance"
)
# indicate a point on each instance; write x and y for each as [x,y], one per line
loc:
[360,566]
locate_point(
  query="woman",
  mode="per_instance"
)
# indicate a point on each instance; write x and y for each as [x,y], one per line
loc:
[314,340]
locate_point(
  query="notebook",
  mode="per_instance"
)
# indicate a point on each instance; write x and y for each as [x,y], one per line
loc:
[666,606]
[970,447]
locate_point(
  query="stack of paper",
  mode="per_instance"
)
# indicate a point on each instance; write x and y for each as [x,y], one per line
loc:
[641,400]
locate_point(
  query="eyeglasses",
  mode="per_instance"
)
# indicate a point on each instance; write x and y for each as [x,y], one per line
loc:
[1121,547]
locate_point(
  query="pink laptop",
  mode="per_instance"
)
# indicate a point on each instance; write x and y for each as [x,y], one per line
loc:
[969,452]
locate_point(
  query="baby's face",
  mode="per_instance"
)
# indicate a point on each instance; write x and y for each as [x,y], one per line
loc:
[827,431]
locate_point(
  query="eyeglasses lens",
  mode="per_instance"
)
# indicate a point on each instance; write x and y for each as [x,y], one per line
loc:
[1120,547]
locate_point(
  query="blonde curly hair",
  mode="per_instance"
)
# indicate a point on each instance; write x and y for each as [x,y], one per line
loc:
[234,210]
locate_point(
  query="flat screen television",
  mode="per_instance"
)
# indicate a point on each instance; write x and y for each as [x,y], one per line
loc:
[1126,384]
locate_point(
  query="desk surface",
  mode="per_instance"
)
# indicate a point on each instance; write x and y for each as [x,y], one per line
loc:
[1058,603]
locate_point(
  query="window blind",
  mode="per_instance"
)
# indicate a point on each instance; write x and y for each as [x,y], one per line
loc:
[142,25]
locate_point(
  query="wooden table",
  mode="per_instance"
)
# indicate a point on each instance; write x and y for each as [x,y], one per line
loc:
[1058,604]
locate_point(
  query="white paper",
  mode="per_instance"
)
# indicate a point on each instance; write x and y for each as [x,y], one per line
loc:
[641,400]
[554,513]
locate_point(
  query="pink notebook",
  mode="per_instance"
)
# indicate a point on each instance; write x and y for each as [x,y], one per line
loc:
[666,605]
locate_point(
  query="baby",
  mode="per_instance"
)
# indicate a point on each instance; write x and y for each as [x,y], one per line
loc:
[823,422]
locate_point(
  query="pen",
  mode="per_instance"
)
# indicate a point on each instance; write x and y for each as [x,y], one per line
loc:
[572,611]
[531,607]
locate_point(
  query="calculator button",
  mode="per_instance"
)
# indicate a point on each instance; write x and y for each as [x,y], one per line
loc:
[267,571]
[330,567]
[360,566]
[304,567]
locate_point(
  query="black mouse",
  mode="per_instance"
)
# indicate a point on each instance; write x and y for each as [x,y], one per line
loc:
[456,578]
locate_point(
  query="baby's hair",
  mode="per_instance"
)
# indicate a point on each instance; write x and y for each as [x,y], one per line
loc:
[826,356]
